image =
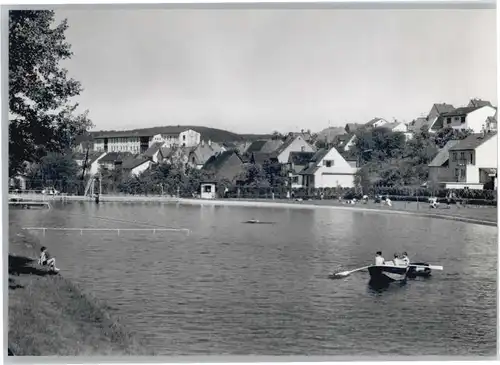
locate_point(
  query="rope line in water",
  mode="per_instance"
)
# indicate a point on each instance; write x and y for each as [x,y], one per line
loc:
[119,220]
[44,229]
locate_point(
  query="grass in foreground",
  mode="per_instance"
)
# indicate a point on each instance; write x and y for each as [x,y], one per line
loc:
[49,315]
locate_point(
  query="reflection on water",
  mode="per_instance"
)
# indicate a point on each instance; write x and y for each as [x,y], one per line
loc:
[234,288]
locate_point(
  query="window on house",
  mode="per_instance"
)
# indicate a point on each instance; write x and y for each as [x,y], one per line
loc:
[462,119]
[471,158]
[462,156]
[448,120]
[207,188]
[183,138]
[454,156]
[457,173]
[303,148]
[328,163]
[295,179]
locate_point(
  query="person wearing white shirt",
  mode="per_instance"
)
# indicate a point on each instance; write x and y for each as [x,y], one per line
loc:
[379,260]
[405,259]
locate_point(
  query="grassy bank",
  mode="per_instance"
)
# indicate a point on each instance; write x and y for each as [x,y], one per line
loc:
[49,315]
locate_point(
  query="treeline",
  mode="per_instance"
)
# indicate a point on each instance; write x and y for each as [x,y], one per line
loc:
[388,159]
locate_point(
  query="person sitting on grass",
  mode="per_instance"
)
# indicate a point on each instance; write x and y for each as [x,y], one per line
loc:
[45,259]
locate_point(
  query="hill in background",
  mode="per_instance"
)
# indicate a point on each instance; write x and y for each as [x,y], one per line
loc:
[207,133]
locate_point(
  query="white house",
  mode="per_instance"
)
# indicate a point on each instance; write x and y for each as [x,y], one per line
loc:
[376,122]
[136,166]
[473,118]
[328,169]
[293,144]
[189,138]
[473,162]
[399,127]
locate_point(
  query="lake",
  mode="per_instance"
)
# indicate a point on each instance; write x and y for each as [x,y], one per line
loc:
[263,289]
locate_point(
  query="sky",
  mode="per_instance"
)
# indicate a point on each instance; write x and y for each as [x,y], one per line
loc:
[257,71]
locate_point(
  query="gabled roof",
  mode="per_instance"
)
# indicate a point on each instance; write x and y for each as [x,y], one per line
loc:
[443,154]
[351,127]
[166,152]
[472,142]
[417,124]
[93,157]
[264,146]
[261,157]
[217,161]
[115,156]
[132,162]
[443,108]
[461,111]
[479,103]
[204,151]
[300,158]
[155,147]
[373,121]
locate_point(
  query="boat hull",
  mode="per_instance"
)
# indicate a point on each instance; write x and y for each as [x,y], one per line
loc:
[422,270]
[387,273]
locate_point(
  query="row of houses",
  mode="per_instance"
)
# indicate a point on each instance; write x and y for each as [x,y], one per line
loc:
[477,116]
[469,163]
[305,165]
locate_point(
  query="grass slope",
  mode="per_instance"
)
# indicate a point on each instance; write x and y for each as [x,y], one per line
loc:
[49,315]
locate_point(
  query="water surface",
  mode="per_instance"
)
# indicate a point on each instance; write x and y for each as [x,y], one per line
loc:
[262,289]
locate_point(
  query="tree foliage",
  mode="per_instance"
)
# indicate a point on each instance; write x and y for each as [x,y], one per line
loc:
[42,117]
[53,169]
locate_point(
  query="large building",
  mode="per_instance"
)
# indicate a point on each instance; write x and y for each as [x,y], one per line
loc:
[139,141]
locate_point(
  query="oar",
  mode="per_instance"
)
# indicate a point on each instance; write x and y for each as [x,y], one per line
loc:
[432,267]
[344,274]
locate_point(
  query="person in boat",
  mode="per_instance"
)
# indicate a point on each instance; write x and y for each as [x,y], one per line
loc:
[396,260]
[405,260]
[379,260]
[46,259]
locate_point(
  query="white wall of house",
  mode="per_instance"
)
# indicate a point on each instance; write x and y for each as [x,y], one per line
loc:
[477,119]
[297,145]
[486,157]
[379,123]
[474,120]
[136,171]
[401,127]
[350,143]
[119,144]
[189,138]
[94,166]
[334,171]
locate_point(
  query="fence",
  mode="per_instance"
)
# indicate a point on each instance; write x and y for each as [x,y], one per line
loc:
[409,194]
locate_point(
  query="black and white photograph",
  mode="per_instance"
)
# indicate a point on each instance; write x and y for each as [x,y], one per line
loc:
[313,180]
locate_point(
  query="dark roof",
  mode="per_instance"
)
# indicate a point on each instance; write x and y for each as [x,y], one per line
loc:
[479,103]
[204,151]
[317,157]
[472,142]
[155,147]
[261,157]
[132,162]
[93,157]
[443,154]
[443,108]
[265,146]
[300,158]
[115,156]
[417,124]
[217,161]
[461,111]
[256,146]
